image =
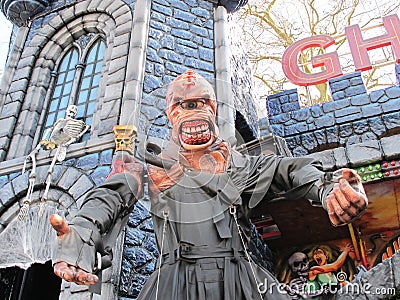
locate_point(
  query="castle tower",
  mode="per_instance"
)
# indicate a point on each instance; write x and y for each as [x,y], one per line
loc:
[112,60]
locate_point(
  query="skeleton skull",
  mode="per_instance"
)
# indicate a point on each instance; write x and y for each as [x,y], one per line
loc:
[298,262]
[191,108]
[72,110]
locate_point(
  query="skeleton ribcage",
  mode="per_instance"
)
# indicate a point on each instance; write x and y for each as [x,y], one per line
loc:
[65,130]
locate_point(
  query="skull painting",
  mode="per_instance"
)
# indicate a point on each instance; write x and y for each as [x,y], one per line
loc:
[298,262]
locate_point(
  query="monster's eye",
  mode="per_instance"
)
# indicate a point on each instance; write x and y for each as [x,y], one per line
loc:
[192,104]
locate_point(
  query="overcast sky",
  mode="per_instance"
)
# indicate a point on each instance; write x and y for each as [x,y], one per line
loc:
[5,30]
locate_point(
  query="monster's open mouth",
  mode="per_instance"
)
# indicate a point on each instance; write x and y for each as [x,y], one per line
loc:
[319,260]
[195,132]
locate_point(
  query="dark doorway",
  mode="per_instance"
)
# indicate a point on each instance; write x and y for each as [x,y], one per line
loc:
[36,283]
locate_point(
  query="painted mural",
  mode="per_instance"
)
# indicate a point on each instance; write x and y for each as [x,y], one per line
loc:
[319,271]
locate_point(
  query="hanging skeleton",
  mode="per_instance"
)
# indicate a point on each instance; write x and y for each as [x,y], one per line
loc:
[64,132]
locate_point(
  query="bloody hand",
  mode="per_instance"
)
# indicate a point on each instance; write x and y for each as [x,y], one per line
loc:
[66,271]
[347,201]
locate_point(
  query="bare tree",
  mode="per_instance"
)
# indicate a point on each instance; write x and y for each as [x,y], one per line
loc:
[269,27]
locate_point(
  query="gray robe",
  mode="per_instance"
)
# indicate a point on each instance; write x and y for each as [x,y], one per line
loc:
[203,255]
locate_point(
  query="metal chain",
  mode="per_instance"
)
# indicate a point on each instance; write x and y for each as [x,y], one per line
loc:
[165,215]
[232,211]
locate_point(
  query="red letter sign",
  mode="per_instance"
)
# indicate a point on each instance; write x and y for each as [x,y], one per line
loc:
[330,61]
[359,47]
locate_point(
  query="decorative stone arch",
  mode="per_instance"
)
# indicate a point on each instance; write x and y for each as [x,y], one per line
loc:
[31,240]
[111,19]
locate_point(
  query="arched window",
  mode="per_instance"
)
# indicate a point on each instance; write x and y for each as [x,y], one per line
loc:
[90,82]
[62,90]
[78,81]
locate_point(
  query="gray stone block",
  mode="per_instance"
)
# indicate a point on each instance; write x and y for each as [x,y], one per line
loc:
[397,69]
[351,140]
[308,141]
[278,129]
[335,105]
[340,95]
[299,151]
[391,105]
[301,114]
[376,95]
[87,162]
[396,269]
[10,109]
[21,183]
[393,92]
[368,136]
[184,16]
[348,118]
[376,126]
[360,126]
[392,120]
[201,12]
[325,121]
[340,157]
[360,99]
[364,153]
[7,194]
[99,175]
[326,158]
[316,111]
[6,126]
[66,201]
[290,107]
[160,26]
[81,186]
[345,130]
[390,146]
[70,176]
[296,128]
[355,90]
[347,111]
[332,134]
[370,110]
[339,85]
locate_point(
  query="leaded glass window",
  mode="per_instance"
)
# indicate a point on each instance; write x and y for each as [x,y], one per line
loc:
[90,82]
[86,71]
[62,90]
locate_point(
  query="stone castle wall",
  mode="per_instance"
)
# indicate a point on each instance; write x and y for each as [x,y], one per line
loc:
[355,128]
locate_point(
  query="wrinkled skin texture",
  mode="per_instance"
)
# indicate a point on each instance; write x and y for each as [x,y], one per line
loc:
[344,204]
[191,109]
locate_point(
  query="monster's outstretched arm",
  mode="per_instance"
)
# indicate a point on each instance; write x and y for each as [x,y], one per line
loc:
[84,245]
[303,177]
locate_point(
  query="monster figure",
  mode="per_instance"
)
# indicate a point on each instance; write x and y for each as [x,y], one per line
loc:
[200,219]
[62,134]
